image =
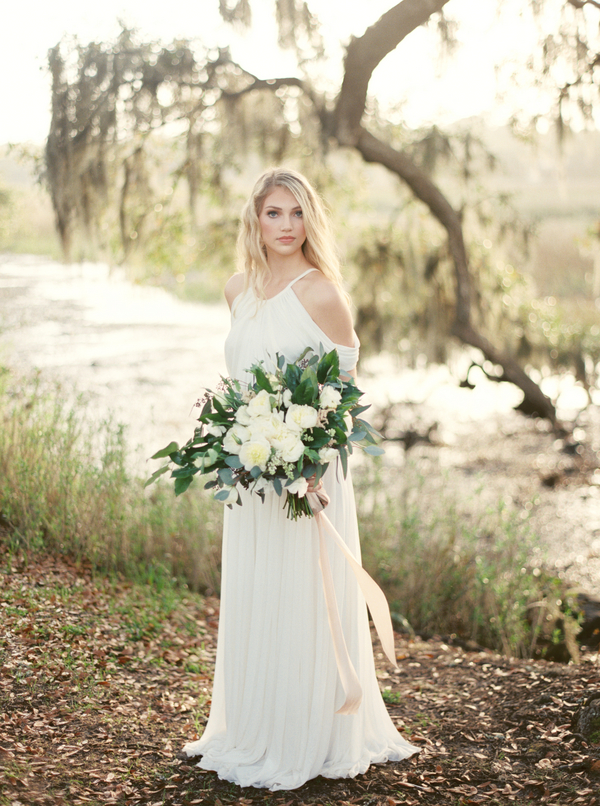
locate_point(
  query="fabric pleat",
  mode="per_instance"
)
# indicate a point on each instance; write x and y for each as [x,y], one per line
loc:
[273,720]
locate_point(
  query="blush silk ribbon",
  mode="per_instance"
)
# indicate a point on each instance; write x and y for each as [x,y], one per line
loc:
[374,597]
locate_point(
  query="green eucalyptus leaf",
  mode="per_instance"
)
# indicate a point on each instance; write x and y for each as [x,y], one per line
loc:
[183,472]
[219,409]
[156,474]
[162,454]
[181,485]
[226,476]
[373,450]
[329,367]
[357,435]
[359,410]
[306,392]
[344,460]
[292,376]
[261,380]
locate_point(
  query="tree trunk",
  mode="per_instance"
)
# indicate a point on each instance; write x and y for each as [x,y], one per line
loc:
[363,55]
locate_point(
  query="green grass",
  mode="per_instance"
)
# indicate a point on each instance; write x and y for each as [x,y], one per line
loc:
[453,568]
[65,488]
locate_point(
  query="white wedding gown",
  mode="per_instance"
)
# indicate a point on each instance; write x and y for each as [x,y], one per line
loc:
[273,720]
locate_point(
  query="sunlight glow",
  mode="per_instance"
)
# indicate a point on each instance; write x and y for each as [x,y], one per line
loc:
[425,87]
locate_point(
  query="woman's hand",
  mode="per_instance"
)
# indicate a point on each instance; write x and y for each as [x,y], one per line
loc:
[312,487]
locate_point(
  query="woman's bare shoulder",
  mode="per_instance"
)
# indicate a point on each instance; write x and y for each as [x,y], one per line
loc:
[233,287]
[327,306]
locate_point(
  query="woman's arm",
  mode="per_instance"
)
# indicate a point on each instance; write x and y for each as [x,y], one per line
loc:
[233,287]
[327,307]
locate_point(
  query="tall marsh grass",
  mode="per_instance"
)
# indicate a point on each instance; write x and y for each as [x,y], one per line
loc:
[453,569]
[65,488]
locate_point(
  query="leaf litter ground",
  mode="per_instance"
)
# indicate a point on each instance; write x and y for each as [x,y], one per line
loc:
[103,681]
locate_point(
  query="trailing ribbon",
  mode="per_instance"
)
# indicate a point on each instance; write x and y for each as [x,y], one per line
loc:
[374,597]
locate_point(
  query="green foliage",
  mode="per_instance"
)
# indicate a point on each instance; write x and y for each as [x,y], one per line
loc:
[449,570]
[244,415]
[26,222]
[65,487]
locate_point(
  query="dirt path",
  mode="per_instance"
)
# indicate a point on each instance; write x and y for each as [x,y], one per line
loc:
[102,682]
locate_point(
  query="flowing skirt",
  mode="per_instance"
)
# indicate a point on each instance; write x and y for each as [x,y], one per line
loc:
[273,720]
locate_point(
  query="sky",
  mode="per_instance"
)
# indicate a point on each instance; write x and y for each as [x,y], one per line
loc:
[428,88]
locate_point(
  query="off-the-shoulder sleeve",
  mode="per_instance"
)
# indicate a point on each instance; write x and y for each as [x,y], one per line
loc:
[348,355]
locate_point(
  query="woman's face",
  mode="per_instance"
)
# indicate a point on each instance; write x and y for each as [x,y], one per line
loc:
[281,223]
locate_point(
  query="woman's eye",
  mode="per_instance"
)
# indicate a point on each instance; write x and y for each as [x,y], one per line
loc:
[272,213]
[299,213]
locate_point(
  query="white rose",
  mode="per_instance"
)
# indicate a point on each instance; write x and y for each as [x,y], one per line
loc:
[242,415]
[215,430]
[260,406]
[330,398]
[301,417]
[300,486]
[255,453]
[234,438]
[287,398]
[327,454]
[289,446]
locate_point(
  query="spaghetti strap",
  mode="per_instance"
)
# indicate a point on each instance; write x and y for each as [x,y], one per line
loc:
[299,277]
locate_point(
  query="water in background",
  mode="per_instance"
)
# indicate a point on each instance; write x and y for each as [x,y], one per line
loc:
[145,356]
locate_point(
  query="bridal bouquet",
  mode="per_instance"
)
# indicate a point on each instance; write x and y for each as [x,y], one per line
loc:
[273,434]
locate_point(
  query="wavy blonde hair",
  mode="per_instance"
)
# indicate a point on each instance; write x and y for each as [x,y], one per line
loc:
[318,248]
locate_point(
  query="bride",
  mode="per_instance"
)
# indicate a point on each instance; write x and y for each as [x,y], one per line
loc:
[274,718]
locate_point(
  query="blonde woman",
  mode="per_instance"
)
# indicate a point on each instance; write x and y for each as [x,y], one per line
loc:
[273,720]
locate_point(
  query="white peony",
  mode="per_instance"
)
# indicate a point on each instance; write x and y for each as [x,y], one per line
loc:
[288,445]
[330,398]
[235,437]
[286,398]
[242,416]
[300,486]
[267,427]
[255,453]
[260,406]
[327,454]
[215,430]
[301,417]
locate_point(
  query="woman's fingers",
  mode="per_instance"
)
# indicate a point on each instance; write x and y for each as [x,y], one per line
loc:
[312,487]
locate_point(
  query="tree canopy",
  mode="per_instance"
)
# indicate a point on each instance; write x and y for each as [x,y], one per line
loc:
[109,99]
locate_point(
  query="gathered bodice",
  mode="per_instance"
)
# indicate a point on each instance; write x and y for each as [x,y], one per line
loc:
[260,329]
